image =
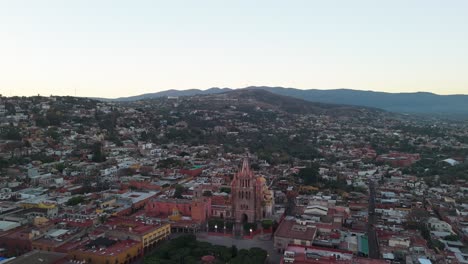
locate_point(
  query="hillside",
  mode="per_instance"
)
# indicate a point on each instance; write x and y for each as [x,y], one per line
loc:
[277,102]
[170,93]
[420,102]
[414,103]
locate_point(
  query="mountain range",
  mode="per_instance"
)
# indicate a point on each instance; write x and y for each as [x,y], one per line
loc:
[455,106]
[252,98]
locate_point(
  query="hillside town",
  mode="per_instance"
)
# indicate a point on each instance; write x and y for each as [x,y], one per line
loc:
[272,180]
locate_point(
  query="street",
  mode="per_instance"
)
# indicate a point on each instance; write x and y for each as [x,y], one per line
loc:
[372,236]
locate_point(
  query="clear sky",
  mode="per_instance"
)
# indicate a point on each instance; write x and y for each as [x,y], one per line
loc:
[118,48]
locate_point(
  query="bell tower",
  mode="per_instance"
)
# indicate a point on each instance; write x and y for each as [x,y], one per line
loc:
[245,195]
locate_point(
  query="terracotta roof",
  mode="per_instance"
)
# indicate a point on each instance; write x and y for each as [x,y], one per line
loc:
[291,229]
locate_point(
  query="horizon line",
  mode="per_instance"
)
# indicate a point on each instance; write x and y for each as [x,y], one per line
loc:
[229,88]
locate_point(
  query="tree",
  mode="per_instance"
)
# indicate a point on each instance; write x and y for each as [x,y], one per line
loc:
[53,133]
[11,133]
[225,189]
[183,154]
[81,130]
[186,249]
[169,163]
[233,251]
[452,237]
[126,172]
[10,108]
[266,224]
[102,219]
[310,174]
[4,163]
[179,190]
[207,193]
[60,167]
[75,200]
[418,216]
[54,117]
[98,155]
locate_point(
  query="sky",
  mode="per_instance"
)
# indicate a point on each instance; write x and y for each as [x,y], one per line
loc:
[112,48]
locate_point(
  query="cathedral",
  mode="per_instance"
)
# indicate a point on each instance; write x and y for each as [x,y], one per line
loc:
[250,201]
[250,197]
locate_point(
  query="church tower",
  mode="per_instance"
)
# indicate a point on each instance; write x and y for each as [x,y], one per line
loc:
[246,195]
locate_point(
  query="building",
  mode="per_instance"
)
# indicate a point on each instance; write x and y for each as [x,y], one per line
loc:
[105,251]
[298,254]
[42,257]
[148,232]
[250,202]
[439,225]
[291,232]
[397,159]
[8,225]
[17,241]
[198,209]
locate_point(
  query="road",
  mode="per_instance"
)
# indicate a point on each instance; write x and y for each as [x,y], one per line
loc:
[372,236]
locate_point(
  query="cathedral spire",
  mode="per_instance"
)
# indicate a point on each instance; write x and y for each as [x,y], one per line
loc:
[245,166]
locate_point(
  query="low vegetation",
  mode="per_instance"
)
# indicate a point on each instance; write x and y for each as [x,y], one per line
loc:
[187,250]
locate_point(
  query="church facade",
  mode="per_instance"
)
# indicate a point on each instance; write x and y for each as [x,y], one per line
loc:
[249,201]
[250,197]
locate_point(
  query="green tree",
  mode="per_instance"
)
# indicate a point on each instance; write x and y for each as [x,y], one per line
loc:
[266,224]
[310,174]
[54,117]
[179,190]
[53,133]
[60,167]
[10,133]
[452,237]
[207,193]
[225,189]
[98,155]
[75,200]
[233,251]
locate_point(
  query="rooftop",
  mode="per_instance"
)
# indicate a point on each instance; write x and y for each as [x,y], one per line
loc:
[290,229]
[8,225]
[132,225]
[105,246]
[318,255]
[137,196]
[34,257]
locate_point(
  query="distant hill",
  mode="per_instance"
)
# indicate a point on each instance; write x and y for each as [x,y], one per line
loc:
[270,100]
[415,103]
[420,102]
[170,93]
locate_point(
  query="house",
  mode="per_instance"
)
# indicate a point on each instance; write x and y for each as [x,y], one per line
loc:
[316,210]
[104,250]
[439,225]
[397,241]
[37,256]
[291,232]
